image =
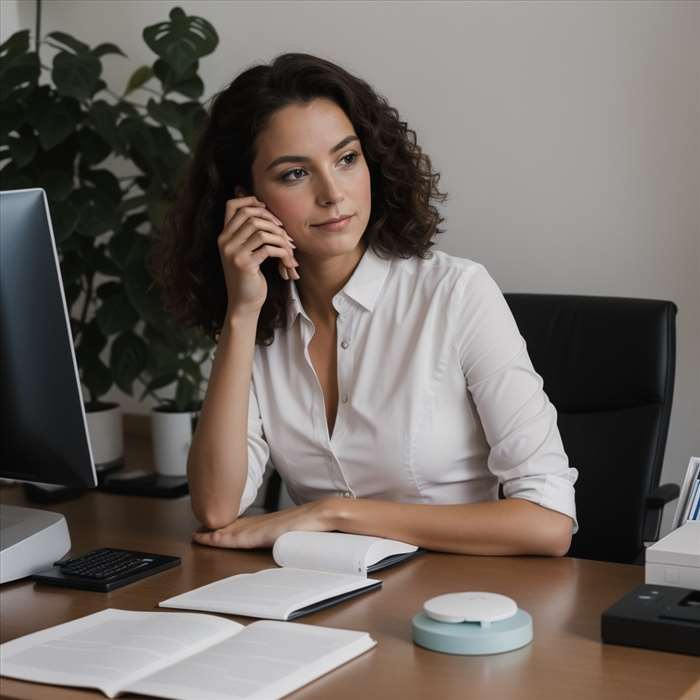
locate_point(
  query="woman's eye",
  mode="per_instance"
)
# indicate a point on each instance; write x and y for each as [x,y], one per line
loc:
[287,176]
[291,172]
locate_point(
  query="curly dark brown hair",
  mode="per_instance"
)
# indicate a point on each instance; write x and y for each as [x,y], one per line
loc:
[186,263]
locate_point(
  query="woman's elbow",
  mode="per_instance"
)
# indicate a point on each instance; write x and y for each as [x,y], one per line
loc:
[557,540]
[212,517]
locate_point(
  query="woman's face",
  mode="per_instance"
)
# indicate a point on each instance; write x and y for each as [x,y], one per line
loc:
[309,168]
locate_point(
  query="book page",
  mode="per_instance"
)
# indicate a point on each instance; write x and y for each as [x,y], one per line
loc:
[339,552]
[110,648]
[265,660]
[272,594]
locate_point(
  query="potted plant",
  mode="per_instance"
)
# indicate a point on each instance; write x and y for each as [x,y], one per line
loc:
[174,356]
[56,136]
[47,139]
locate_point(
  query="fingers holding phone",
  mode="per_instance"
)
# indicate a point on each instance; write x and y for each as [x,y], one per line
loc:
[250,235]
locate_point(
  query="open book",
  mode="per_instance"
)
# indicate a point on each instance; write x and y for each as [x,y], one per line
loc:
[318,569]
[183,656]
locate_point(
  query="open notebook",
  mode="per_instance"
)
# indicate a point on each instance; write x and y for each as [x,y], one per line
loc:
[318,569]
[184,656]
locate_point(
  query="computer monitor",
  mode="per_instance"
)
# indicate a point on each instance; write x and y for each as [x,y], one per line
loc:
[44,435]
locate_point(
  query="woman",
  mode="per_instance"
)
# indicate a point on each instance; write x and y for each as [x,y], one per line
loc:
[387,383]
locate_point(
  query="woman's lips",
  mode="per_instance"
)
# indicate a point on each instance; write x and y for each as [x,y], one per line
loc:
[335,226]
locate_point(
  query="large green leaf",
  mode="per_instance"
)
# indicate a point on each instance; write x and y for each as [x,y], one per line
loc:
[72,267]
[92,342]
[104,49]
[56,123]
[181,41]
[109,289]
[22,149]
[189,84]
[115,315]
[57,183]
[17,70]
[64,217]
[141,148]
[128,357]
[158,382]
[103,117]
[167,112]
[69,41]
[193,119]
[17,43]
[106,183]
[95,376]
[138,78]
[93,148]
[140,288]
[11,118]
[75,75]
[97,214]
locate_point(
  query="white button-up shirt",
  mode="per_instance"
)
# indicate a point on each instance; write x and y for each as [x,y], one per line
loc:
[439,402]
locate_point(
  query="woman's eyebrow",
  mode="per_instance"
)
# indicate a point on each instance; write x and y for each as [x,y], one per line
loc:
[306,159]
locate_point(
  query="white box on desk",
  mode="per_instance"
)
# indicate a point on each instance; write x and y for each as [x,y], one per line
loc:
[675,559]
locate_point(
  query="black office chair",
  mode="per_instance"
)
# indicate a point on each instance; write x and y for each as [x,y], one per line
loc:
[608,366]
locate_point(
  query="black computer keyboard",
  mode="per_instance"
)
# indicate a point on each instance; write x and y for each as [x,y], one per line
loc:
[105,569]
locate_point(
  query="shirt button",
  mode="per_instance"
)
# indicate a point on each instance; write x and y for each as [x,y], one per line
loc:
[345,344]
[345,398]
[347,494]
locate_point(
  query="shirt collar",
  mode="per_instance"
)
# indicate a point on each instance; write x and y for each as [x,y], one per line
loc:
[363,287]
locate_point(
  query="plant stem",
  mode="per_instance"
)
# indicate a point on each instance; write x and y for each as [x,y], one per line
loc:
[88,294]
[155,92]
[38,26]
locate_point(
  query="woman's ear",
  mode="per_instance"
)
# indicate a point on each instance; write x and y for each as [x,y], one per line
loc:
[239,191]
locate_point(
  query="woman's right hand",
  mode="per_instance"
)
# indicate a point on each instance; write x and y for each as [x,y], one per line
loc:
[250,235]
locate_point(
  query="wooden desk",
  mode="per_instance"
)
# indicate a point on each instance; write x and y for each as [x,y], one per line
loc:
[564,596]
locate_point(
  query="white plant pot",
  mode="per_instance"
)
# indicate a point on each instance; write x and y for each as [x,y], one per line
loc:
[171,434]
[106,436]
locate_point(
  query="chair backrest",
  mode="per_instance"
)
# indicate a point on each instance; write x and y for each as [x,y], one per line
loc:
[608,367]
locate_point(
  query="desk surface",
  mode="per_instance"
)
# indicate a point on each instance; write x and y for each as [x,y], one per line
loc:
[564,596]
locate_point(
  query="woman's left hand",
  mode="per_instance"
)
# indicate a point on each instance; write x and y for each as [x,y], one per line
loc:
[262,530]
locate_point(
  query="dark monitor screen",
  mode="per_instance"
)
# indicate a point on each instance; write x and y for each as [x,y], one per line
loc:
[44,430]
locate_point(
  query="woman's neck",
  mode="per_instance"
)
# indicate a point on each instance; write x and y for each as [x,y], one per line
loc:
[322,279]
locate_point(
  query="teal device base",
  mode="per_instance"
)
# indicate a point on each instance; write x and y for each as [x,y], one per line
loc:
[470,638]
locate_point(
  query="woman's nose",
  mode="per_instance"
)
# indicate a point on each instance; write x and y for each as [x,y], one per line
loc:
[329,192]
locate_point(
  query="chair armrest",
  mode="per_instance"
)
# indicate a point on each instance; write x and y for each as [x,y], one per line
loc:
[655,503]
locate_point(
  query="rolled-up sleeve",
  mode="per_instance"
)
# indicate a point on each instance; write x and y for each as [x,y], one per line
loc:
[520,423]
[258,452]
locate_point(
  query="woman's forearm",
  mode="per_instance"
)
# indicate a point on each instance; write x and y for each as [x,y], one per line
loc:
[512,526]
[217,467]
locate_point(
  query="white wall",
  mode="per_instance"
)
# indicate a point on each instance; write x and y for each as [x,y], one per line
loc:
[567,133]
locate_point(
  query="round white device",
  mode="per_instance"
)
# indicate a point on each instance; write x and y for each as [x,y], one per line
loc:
[476,606]
[472,622]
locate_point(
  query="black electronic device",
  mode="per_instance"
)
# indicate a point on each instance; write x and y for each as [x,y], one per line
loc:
[44,438]
[666,618]
[144,482]
[105,569]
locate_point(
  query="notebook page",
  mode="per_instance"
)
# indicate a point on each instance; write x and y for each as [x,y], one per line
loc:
[339,552]
[110,648]
[271,593]
[266,660]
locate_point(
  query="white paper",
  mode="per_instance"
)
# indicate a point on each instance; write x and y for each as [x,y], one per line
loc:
[266,660]
[110,648]
[339,552]
[272,593]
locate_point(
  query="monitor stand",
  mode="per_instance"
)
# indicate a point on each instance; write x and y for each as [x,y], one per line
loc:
[30,540]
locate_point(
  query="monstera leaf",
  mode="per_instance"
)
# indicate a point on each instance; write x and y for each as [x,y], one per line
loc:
[182,41]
